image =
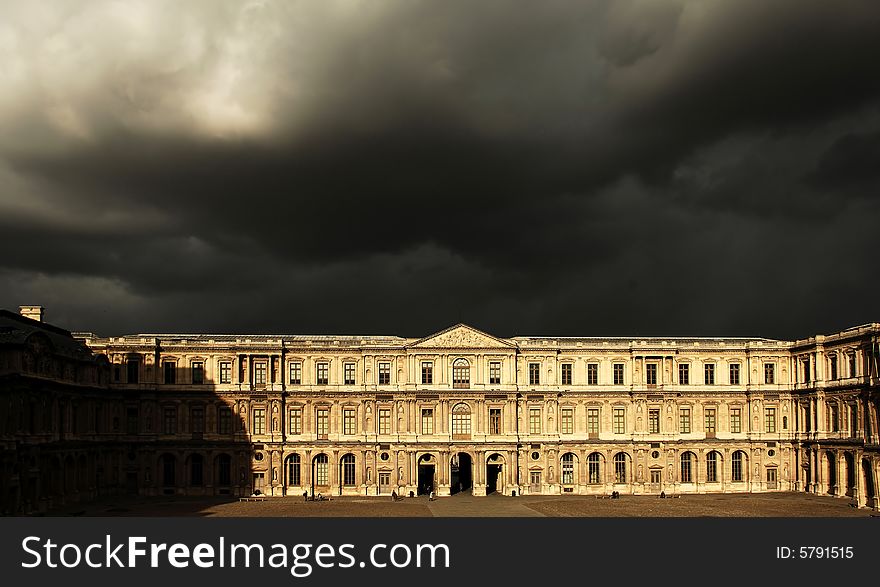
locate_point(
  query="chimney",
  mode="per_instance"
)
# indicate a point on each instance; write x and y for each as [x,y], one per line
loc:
[32,312]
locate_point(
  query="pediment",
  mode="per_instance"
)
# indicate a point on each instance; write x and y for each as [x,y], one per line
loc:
[462,336]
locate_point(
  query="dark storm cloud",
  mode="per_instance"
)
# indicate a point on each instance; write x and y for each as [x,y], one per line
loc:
[570,168]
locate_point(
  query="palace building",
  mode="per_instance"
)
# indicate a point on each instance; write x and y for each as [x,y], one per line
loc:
[459,410]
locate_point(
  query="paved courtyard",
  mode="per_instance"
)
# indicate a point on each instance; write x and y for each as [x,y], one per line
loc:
[754,505]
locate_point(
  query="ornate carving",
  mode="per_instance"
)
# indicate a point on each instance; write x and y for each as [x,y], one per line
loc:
[460,337]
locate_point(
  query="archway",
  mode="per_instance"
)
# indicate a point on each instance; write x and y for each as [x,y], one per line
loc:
[461,473]
[831,469]
[494,474]
[426,474]
[870,490]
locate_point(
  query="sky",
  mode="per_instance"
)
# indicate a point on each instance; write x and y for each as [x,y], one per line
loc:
[597,168]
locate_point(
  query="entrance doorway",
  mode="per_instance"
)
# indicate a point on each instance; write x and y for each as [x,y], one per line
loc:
[384,482]
[461,473]
[494,477]
[426,474]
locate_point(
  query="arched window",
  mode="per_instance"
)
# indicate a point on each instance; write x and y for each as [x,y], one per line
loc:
[461,374]
[348,469]
[687,473]
[568,461]
[620,467]
[594,462]
[712,467]
[196,468]
[461,422]
[224,470]
[321,470]
[736,472]
[293,471]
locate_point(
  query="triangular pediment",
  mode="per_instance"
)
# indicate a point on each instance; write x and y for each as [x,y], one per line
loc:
[462,336]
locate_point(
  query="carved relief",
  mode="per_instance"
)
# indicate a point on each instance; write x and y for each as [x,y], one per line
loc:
[461,338]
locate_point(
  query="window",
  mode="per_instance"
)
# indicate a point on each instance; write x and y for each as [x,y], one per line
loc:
[495,373]
[684,420]
[710,421]
[737,467]
[854,420]
[348,470]
[348,422]
[131,421]
[198,372]
[169,421]
[734,373]
[568,469]
[322,469]
[461,374]
[322,373]
[132,369]
[495,421]
[592,374]
[197,419]
[224,470]
[169,369]
[260,373]
[620,468]
[461,422]
[769,373]
[593,463]
[833,418]
[686,467]
[224,420]
[852,364]
[225,372]
[295,421]
[618,373]
[535,478]
[712,467]
[534,420]
[566,373]
[619,420]
[807,370]
[427,420]
[593,420]
[296,373]
[709,373]
[534,373]
[832,366]
[293,470]
[684,374]
[384,373]
[196,470]
[651,373]
[427,372]
[385,421]
[770,420]
[567,421]
[259,421]
[736,420]
[322,423]
[654,421]
[348,374]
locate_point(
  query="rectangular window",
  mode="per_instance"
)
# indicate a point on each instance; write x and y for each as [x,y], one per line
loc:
[348,422]
[852,364]
[651,373]
[618,373]
[734,373]
[807,370]
[169,369]
[495,373]
[853,421]
[427,373]
[832,364]
[322,373]
[684,374]
[534,420]
[295,421]
[259,421]
[133,367]
[198,372]
[567,421]
[260,368]
[348,373]
[710,421]
[709,374]
[427,420]
[495,421]
[833,419]
[735,420]
[322,423]
[770,420]
[385,421]
[224,420]
[593,420]
[593,464]
[619,421]
[769,373]
[169,421]
[384,373]
[296,373]
[593,374]
[197,419]
[534,374]
[684,420]
[322,472]
[566,373]
[654,421]
[225,372]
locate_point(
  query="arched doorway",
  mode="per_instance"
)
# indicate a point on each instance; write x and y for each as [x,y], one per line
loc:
[850,473]
[831,469]
[870,490]
[494,474]
[460,473]
[426,474]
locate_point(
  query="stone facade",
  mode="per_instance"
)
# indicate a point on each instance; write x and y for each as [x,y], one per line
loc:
[462,410]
